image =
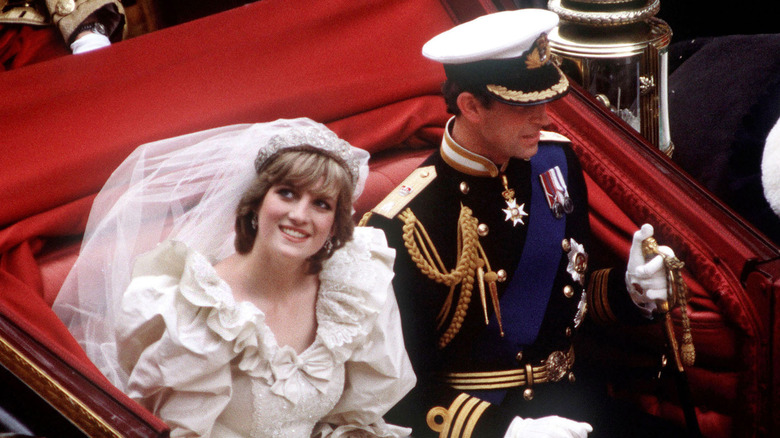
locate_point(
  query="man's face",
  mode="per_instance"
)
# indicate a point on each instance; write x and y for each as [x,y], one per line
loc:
[509,131]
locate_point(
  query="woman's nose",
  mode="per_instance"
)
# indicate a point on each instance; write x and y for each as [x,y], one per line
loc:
[299,211]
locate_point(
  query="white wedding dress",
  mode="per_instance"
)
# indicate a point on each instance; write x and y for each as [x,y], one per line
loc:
[210,366]
[154,317]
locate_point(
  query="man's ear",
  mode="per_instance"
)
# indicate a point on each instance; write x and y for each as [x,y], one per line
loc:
[470,107]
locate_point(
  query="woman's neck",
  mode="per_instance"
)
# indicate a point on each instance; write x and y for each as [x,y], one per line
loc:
[254,275]
[286,293]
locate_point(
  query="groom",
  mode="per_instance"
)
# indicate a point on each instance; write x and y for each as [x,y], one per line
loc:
[491,234]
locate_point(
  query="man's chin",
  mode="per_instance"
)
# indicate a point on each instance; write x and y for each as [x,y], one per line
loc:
[528,151]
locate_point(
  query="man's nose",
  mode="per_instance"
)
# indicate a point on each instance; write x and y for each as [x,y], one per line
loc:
[540,115]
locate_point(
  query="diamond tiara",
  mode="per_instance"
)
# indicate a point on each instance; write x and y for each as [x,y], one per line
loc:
[323,140]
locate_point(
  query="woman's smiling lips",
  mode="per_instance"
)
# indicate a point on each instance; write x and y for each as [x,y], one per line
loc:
[294,233]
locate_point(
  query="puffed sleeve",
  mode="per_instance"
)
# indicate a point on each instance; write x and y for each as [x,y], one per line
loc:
[178,367]
[379,373]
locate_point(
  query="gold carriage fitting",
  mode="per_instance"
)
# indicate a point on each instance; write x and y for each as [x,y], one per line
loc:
[618,51]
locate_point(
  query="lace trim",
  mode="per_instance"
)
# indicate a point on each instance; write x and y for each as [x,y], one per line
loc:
[353,286]
[352,291]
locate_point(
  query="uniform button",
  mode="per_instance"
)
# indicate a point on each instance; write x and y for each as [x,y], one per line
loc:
[565,245]
[519,356]
[528,394]
[501,275]
[483,230]
[464,188]
[568,332]
[65,7]
[572,379]
[425,174]
[568,291]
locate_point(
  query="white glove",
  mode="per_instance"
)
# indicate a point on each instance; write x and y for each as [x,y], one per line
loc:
[646,281]
[547,427]
[89,42]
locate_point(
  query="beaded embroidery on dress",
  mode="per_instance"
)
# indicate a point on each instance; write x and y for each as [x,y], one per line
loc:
[277,417]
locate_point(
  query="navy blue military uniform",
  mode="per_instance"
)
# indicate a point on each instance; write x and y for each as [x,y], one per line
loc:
[491,272]
[462,365]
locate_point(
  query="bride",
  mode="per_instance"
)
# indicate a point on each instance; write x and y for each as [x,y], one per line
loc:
[253,306]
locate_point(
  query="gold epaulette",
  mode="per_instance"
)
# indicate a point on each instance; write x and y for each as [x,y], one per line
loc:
[22,13]
[405,192]
[553,136]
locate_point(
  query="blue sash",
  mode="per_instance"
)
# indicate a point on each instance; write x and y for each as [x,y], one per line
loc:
[524,302]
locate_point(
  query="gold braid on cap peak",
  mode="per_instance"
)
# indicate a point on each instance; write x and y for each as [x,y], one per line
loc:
[426,258]
[534,96]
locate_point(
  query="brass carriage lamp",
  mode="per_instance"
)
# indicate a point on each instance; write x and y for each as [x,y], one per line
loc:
[618,51]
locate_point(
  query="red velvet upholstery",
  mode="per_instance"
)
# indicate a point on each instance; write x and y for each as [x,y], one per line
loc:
[65,124]
[731,323]
[24,45]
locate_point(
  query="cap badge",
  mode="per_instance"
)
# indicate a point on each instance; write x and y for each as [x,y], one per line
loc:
[539,54]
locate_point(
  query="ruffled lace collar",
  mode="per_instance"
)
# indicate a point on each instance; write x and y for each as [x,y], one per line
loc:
[353,288]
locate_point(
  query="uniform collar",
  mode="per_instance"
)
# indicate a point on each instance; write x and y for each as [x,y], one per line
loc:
[463,160]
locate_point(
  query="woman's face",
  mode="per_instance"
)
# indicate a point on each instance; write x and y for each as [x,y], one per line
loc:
[294,222]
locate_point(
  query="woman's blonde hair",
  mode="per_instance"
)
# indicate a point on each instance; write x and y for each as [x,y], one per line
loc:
[306,168]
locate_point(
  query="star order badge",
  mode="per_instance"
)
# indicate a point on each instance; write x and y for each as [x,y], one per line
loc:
[514,212]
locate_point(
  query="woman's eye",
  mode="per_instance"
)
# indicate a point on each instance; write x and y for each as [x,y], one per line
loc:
[285,192]
[323,204]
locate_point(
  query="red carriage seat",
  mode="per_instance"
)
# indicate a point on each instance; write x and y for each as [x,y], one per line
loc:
[358,69]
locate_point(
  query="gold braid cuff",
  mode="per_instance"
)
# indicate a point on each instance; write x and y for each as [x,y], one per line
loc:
[598,297]
[459,420]
[426,258]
